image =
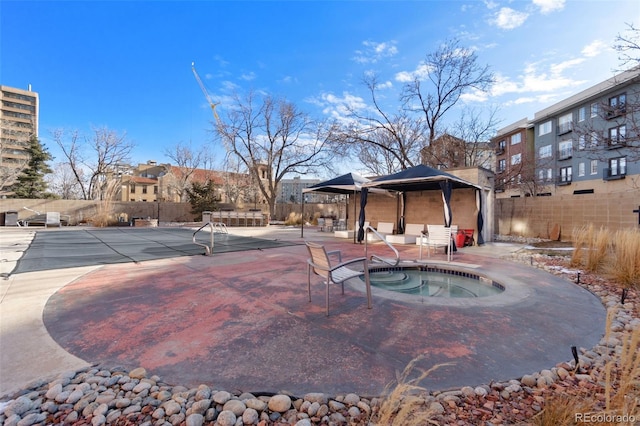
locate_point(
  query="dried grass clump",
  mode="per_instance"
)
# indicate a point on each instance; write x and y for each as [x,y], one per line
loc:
[624,265]
[580,243]
[623,377]
[104,209]
[599,248]
[407,403]
[560,410]
[293,219]
[621,388]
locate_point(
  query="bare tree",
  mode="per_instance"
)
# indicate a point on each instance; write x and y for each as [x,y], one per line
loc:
[384,142]
[445,152]
[63,183]
[272,138]
[236,183]
[452,70]
[628,47]
[476,130]
[92,159]
[187,160]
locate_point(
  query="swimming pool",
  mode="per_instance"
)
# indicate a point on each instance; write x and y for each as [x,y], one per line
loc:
[434,282]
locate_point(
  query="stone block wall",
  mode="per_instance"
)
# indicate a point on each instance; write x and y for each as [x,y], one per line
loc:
[536,216]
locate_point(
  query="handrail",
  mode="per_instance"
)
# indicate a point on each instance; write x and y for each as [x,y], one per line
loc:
[215,227]
[208,250]
[220,227]
[391,262]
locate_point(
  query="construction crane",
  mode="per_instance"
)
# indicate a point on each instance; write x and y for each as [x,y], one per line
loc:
[206,93]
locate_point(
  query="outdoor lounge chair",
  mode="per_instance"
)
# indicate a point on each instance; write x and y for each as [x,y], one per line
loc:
[411,232]
[438,236]
[384,229]
[320,264]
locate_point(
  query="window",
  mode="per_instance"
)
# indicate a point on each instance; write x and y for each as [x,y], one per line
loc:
[593,139]
[516,159]
[581,169]
[565,150]
[545,151]
[133,189]
[516,139]
[582,114]
[565,123]
[155,189]
[617,135]
[618,166]
[144,189]
[594,167]
[541,175]
[594,110]
[582,142]
[502,165]
[544,128]
[501,147]
[565,174]
[617,105]
[549,174]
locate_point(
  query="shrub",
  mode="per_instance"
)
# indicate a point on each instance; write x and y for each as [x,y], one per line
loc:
[624,264]
[621,388]
[599,249]
[293,219]
[407,403]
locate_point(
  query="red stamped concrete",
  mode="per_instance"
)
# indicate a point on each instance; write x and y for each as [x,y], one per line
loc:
[241,321]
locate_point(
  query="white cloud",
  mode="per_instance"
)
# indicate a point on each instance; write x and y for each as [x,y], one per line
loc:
[557,69]
[229,86]
[420,73]
[536,81]
[548,6]
[594,48]
[491,4]
[339,107]
[288,80]
[508,18]
[475,96]
[374,51]
[248,76]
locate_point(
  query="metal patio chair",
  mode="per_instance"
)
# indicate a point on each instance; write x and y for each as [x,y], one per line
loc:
[320,264]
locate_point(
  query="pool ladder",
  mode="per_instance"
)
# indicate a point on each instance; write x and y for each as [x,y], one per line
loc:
[375,258]
[214,228]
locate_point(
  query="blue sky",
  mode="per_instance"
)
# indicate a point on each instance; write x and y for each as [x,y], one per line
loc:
[126,65]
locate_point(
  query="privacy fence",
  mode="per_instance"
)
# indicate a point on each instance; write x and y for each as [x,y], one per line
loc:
[537,216]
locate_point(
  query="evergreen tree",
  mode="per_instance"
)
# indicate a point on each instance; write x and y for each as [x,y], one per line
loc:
[30,183]
[202,197]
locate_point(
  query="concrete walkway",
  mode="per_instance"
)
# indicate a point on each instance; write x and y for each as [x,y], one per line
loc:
[241,321]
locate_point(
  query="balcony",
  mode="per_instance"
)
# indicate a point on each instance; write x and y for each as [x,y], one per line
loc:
[565,154]
[611,112]
[500,150]
[563,181]
[616,175]
[615,143]
[564,128]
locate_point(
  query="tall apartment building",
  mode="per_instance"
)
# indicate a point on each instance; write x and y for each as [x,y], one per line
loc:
[290,191]
[18,122]
[587,143]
